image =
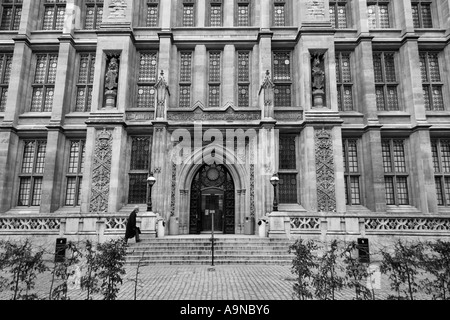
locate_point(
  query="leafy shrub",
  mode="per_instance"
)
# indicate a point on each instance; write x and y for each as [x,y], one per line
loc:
[327,280]
[302,266]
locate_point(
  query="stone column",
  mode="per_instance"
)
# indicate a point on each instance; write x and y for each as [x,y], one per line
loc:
[229,76]
[199,74]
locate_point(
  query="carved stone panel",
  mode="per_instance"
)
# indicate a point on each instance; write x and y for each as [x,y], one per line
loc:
[315,10]
[101,172]
[326,195]
[201,115]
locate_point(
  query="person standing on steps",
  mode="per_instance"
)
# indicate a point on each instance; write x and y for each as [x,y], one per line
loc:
[131,229]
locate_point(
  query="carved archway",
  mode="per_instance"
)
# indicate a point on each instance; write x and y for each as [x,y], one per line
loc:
[207,178]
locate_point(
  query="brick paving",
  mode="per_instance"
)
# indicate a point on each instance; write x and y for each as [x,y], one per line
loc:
[198,282]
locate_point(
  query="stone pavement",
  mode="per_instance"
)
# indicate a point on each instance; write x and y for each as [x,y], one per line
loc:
[198,282]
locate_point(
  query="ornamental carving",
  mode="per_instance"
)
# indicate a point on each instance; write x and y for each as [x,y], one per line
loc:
[412,224]
[116,223]
[318,79]
[172,193]
[289,116]
[267,88]
[101,171]
[200,115]
[29,224]
[326,196]
[306,223]
[162,89]
[139,116]
[117,9]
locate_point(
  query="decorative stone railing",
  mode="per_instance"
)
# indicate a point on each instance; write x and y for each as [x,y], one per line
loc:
[406,224]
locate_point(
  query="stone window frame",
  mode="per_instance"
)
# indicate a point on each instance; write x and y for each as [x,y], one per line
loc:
[149,84]
[53,8]
[429,84]
[86,86]
[46,86]
[283,82]
[376,4]
[441,172]
[341,84]
[33,175]
[214,83]
[184,83]
[289,171]
[238,5]
[241,83]
[140,171]
[211,4]
[420,4]
[97,6]
[193,6]
[78,174]
[334,5]
[384,84]
[5,77]
[394,174]
[15,8]
[349,175]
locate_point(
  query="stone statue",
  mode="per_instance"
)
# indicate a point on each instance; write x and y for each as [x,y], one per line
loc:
[112,74]
[267,88]
[318,73]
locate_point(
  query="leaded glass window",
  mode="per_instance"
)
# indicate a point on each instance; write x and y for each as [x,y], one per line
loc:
[152,13]
[243,78]
[281,65]
[11,15]
[74,174]
[351,172]
[378,14]
[344,81]
[31,174]
[188,15]
[395,171]
[243,14]
[279,14]
[85,82]
[431,81]
[54,14]
[185,79]
[5,75]
[421,12]
[215,14]
[385,81]
[44,82]
[139,166]
[148,67]
[287,169]
[214,79]
[338,14]
[441,162]
[94,14]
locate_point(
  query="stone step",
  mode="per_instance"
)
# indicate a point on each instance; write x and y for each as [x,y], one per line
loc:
[208,262]
[218,256]
[208,253]
[220,247]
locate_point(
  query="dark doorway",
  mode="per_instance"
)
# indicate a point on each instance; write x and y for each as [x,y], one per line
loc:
[212,193]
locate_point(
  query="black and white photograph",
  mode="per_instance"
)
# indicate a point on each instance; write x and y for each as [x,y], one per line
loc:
[224,158]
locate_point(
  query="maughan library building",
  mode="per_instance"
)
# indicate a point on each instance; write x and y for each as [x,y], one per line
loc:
[271,118]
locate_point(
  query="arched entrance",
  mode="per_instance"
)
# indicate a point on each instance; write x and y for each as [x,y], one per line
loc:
[212,193]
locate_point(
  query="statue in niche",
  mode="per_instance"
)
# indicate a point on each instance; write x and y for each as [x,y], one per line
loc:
[111,84]
[318,79]
[162,90]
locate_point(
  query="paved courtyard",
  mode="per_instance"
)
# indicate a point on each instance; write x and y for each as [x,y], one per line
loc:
[199,282]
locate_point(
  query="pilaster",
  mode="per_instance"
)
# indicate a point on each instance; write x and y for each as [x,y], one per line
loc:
[53,171]
[117,180]
[265,166]
[228,13]
[161,167]
[199,74]
[265,9]
[229,76]
[166,14]
[9,147]
[200,6]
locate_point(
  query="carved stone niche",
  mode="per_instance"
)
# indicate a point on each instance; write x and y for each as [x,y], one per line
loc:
[111,80]
[318,79]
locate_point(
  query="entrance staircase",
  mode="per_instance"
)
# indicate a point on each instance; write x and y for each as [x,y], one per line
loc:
[196,249]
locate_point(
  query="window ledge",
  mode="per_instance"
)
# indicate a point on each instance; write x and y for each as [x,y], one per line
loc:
[36,115]
[406,209]
[393,114]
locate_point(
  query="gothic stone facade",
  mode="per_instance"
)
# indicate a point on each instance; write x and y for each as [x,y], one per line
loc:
[348,100]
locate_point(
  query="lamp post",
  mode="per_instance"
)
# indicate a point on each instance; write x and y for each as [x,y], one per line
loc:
[150,182]
[274,180]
